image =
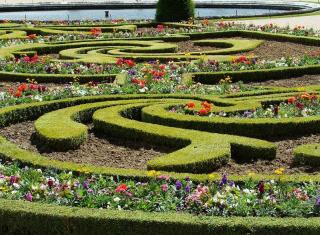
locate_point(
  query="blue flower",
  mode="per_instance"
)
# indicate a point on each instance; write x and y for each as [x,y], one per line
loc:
[223,180]
[178,185]
[132,72]
[318,201]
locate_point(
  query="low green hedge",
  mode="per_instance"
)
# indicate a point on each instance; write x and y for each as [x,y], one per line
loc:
[62,129]
[212,150]
[265,128]
[200,153]
[24,218]
[253,75]
[308,154]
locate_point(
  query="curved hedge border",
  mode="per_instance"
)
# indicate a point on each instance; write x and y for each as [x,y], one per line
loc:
[70,50]
[59,130]
[266,128]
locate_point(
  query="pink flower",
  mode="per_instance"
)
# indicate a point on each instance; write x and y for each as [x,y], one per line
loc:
[164,177]
[164,187]
[28,197]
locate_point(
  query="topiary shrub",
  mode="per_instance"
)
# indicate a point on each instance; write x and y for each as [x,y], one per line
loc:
[174,10]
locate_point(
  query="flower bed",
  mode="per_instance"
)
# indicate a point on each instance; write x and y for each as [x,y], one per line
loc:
[305,105]
[160,193]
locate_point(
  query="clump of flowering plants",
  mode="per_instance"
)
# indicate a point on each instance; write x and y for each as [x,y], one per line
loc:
[160,193]
[44,65]
[191,108]
[304,105]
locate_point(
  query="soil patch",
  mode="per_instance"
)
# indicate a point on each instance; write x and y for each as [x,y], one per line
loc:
[189,46]
[113,152]
[283,159]
[302,81]
[98,150]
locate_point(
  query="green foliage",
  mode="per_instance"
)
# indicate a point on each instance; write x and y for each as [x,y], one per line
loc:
[174,10]
[24,218]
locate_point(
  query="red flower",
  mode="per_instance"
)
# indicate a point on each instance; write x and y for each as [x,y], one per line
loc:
[26,59]
[191,105]
[203,112]
[130,63]
[18,94]
[120,62]
[121,188]
[162,66]
[34,59]
[292,100]
[96,31]
[33,87]
[23,87]
[261,187]
[160,28]
[42,88]
[314,97]
[50,183]
[139,82]
[299,105]
[276,110]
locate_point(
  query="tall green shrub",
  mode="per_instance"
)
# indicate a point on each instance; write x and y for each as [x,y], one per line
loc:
[174,10]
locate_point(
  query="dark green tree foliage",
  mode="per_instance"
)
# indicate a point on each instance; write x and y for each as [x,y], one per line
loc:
[174,10]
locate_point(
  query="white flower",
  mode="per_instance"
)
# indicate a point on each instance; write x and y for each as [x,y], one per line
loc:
[116,199]
[2,95]
[143,90]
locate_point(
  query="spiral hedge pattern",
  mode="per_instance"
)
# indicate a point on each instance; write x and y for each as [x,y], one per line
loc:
[204,144]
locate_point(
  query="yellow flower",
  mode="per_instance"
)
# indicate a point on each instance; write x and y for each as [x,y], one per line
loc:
[187,54]
[301,89]
[212,177]
[279,171]
[153,173]
[251,174]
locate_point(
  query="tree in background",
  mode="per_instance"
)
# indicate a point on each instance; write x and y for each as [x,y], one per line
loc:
[174,10]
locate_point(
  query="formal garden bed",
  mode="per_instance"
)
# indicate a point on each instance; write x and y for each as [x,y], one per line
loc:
[164,128]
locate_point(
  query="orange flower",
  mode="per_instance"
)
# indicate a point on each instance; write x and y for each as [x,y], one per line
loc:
[191,105]
[292,100]
[206,105]
[96,31]
[32,36]
[305,96]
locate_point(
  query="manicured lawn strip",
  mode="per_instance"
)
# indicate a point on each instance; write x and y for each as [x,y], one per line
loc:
[308,154]
[20,217]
